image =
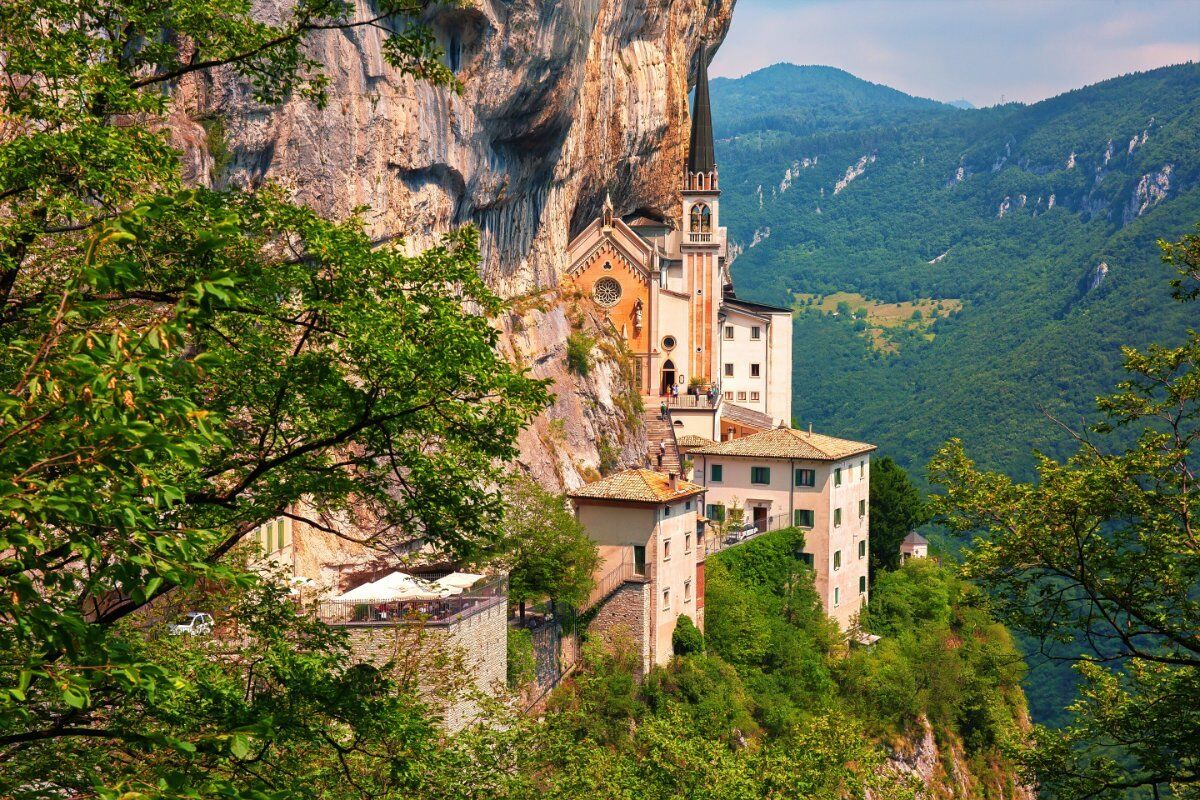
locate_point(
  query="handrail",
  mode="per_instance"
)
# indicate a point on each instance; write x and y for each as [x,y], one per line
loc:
[613,580]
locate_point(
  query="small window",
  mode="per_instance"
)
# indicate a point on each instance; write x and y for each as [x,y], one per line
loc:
[729,395]
[837,597]
[760,475]
[862,548]
[755,370]
[666,598]
[687,543]
[279,531]
[742,396]
[639,559]
[837,560]
[687,591]
[837,476]
[803,518]
[862,469]
[862,584]
[755,332]
[666,511]
[729,332]
[668,343]
[715,512]
[862,508]
[754,396]
[687,506]
[729,370]
[666,549]
[837,517]
[806,477]
[716,473]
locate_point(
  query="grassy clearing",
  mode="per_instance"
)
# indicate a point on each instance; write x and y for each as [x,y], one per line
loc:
[886,324]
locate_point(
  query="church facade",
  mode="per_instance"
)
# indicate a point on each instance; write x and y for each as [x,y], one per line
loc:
[722,364]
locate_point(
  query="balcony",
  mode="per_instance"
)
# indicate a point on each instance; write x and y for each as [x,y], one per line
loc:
[445,611]
[699,238]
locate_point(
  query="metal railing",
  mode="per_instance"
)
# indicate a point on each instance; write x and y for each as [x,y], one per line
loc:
[694,401]
[745,531]
[444,611]
[625,571]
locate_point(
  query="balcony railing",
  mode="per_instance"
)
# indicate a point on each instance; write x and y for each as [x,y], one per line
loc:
[699,238]
[745,531]
[445,611]
[625,571]
[694,401]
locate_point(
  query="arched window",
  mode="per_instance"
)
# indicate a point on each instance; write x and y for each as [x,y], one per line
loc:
[701,218]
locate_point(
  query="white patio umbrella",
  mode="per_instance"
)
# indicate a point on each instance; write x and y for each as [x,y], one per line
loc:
[458,580]
[393,587]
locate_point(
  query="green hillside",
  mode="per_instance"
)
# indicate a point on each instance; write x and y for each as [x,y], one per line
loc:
[1041,219]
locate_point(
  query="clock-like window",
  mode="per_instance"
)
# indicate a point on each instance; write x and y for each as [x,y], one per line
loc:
[607,292]
[668,342]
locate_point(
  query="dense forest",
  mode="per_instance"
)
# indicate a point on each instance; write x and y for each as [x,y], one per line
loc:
[1040,219]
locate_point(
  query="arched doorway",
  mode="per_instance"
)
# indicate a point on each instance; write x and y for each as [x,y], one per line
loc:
[668,376]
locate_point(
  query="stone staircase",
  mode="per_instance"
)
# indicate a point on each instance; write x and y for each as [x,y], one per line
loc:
[661,430]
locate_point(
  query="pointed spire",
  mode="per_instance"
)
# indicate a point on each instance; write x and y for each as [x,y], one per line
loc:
[700,151]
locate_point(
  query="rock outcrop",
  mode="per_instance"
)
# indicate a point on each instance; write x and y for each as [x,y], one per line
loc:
[941,770]
[563,103]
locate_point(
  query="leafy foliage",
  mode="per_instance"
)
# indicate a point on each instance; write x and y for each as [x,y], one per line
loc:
[1099,559]
[897,507]
[686,639]
[181,365]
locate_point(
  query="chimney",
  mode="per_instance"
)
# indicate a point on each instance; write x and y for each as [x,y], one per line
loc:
[673,481]
[810,427]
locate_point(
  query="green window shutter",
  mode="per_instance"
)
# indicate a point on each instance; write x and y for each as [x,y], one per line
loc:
[279,533]
[716,473]
[803,517]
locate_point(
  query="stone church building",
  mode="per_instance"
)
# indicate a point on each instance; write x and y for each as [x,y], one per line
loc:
[666,289]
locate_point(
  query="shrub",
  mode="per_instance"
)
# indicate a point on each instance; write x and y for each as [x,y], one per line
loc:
[579,353]
[522,667]
[687,638]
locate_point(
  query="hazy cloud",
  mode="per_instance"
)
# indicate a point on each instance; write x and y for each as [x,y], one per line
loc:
[982,50]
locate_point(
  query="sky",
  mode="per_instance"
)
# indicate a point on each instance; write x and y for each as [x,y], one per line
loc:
[984,51]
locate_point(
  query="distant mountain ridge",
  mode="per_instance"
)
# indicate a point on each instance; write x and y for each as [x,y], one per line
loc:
[1041,218]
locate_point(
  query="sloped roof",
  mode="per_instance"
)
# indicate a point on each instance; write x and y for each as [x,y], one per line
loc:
[636,486]
[914,538]
[746,416]
[701,156]
[788,443]
[692,440]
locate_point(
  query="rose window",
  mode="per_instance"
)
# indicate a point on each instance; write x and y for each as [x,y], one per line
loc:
[607,292]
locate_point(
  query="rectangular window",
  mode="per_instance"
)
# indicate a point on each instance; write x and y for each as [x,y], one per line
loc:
[729,370]
[687,543]
[729,396]
[728,331]
[837,476]
[666,599]
[862,548]
[755,332]
[754,396]
[837,560]
[687,506]
[862,469]
[803,518]
[837,517]
[806,477]
[837,597]
[666,549]
[862,508]
[862,584]
[742,396]
[716,472]
[280,533]
[687,591]
[639,559]
[755,370]
[666,511]
[715,512]
[760,475]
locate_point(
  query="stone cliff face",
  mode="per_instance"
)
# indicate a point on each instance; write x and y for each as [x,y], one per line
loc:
[564,101]
[942,770]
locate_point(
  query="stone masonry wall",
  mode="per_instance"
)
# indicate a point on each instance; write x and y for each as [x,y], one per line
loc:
[455,665]
[627,613]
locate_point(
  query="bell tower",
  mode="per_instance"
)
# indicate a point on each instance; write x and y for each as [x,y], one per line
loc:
[703,240]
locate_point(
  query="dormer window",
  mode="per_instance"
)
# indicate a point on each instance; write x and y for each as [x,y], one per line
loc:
[701,218]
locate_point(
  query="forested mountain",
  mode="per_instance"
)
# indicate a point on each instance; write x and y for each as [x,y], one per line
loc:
[1041,220]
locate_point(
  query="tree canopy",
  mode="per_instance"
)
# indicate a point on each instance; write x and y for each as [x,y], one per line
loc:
[1099,560]
[897,507]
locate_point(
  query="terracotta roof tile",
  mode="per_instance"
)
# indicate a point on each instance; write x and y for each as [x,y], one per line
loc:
[692,440]
[746,416]
[788,443]
[637,486]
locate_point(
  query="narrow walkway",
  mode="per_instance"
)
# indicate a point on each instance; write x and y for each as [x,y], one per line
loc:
[659,430]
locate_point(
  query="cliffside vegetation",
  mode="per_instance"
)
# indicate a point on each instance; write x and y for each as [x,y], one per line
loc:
[778,707]
[1099,561]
